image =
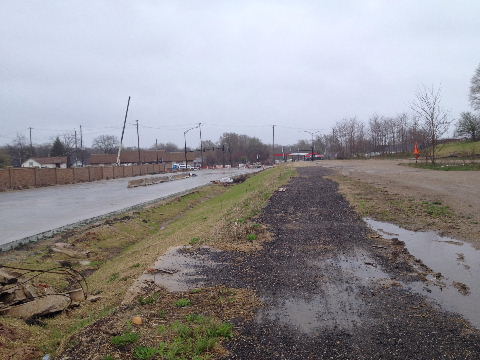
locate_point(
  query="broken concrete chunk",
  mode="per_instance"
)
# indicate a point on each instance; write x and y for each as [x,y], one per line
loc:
[94,298]
[8,277]
[77,295]
[41,306]
[70,252]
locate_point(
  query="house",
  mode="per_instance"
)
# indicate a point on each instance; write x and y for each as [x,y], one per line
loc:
[128,158]
[46,162]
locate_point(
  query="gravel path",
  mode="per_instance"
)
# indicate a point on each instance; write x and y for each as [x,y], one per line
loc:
[330,294]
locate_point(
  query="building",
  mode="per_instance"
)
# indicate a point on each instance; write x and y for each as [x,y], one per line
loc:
[46,162]
[146,157]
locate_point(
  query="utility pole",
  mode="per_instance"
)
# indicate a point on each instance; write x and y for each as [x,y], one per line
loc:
[123,131]
[138,145]
[156,148]
[76,148]
[311,133]
[201,145]
[31,145]
[81,145]
[230,151]
[223,153]
[273,144]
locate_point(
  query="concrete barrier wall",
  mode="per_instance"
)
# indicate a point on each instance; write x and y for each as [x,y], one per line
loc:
[5,180]
[45,177]
[118,172]
[136,170]
[22,178]
[107,172]
[127,171]
[81,175]
[96,173]
[65,176]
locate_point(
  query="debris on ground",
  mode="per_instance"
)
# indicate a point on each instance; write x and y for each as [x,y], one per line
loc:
[282,189]
[137,320]
[231,180]
[23,295]
[158,179]
[461,287]
[69,250]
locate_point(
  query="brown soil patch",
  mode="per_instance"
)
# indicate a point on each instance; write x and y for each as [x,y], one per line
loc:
[407,211]
[158,310]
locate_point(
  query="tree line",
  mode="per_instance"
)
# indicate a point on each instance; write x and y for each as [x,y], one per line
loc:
[424,125]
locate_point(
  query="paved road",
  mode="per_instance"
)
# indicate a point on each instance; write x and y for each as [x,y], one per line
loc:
[27,213]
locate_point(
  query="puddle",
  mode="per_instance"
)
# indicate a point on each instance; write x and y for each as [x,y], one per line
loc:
[360,266]
[337,306]
[179,268]
[457,261]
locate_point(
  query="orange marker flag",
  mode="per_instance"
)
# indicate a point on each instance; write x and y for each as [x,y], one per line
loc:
[416,152]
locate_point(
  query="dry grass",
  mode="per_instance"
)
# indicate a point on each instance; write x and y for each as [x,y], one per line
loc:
[409,212]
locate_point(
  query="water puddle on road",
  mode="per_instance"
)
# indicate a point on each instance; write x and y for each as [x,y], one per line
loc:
[337,306]
[458,262]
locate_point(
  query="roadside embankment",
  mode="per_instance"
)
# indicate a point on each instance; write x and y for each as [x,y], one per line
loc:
[118,250]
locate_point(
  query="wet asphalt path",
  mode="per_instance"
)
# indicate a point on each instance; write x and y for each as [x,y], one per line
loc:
[26,213]
[328,293]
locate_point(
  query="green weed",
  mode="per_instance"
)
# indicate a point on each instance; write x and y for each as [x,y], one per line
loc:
[251,237]
[194,241]
[149,299]
[125,339]
[145,352]
[183,302]
[113,277]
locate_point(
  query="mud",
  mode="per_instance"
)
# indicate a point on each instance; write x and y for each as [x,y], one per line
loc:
[331,291]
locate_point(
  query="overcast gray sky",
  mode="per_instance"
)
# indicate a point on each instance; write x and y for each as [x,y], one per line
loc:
[232,65]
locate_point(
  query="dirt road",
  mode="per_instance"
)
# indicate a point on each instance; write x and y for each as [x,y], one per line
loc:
[330,291]
[458,189]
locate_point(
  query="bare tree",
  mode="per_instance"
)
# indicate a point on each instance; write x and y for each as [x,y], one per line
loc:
[108,144]
[4,158]
[19,150]
[169,146]
[433,118]
[475,89]
[68,140]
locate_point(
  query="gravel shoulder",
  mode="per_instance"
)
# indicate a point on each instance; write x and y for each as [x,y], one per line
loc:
[331,290]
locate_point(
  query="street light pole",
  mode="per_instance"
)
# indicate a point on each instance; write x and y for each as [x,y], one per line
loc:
[185,138]
[138,145]
[201,146]
[311,133]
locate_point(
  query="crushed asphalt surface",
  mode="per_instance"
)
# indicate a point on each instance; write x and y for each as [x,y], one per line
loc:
[329,291]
